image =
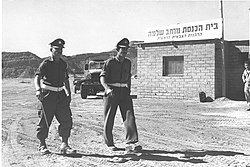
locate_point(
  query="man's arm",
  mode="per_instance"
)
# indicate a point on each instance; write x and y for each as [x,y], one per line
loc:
[37,82]
[67,87]
[67,90]
[105,85]
[243,77]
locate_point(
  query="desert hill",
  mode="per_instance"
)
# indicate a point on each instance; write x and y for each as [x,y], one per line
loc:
[24,64]
[19,64]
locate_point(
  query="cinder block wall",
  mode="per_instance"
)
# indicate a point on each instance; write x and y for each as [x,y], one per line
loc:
[199,70]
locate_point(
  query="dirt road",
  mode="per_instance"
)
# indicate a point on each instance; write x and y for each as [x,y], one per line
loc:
[172,132]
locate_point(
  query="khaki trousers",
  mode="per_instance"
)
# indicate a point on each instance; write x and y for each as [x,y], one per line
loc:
[247,93]
[54,104]
[121,97]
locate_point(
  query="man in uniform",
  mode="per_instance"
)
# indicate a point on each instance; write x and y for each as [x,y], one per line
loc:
[246,80]
[116,79]
[53,91]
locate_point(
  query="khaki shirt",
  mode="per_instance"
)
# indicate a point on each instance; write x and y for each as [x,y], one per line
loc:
[53,74]
[117,72]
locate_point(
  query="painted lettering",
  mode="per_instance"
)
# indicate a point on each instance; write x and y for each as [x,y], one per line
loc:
[207,26]
[196,28]
[200,28]
[194,34]
[192,28]
[173,31]
[160,32]
[216,25]
[155,33]
[212,25]
[167,31]
[179,36]
[163,38]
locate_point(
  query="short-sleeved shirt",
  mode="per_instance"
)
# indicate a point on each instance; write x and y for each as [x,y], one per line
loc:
[115,71]
[53,73]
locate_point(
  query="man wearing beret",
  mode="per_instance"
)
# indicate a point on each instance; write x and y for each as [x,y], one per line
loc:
[116,79]
[53,91]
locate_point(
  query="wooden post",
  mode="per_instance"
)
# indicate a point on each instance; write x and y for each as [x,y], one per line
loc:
[223,53]
[249,34]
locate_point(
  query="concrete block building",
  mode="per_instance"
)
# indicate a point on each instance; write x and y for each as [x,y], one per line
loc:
[182,69]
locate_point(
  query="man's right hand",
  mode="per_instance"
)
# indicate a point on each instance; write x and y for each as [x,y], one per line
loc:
[39,95]
[109,92]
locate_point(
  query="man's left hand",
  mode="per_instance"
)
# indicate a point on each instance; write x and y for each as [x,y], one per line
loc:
[69,98]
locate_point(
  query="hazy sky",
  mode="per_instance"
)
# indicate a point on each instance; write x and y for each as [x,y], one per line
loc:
[90,26]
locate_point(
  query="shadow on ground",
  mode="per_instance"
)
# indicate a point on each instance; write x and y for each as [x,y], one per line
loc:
[161,155]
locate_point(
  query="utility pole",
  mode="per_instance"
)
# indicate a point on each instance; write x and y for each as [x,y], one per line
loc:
[223,53]
[249,33]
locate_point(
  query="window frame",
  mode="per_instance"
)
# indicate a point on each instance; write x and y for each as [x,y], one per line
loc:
[165,64]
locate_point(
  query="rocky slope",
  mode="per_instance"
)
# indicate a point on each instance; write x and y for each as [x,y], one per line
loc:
[24,64]
[19,64]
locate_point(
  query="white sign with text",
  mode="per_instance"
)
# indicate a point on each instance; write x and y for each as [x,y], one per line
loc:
[208,29]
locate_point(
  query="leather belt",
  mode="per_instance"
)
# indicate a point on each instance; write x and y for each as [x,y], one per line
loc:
[120,85]
[52,88]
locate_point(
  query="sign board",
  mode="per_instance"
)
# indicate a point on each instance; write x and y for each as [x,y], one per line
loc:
[209,29]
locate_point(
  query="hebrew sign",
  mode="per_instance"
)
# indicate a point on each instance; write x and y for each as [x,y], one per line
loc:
[209,29]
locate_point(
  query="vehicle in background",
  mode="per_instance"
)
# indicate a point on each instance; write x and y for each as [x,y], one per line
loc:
[78,79]
[91,84]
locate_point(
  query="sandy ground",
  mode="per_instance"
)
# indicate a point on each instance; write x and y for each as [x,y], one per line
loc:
[172,132]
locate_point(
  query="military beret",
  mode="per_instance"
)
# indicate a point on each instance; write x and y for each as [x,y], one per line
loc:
[124,43]
[58,43]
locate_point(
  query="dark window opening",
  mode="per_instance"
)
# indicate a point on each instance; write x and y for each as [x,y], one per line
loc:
[173,65]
